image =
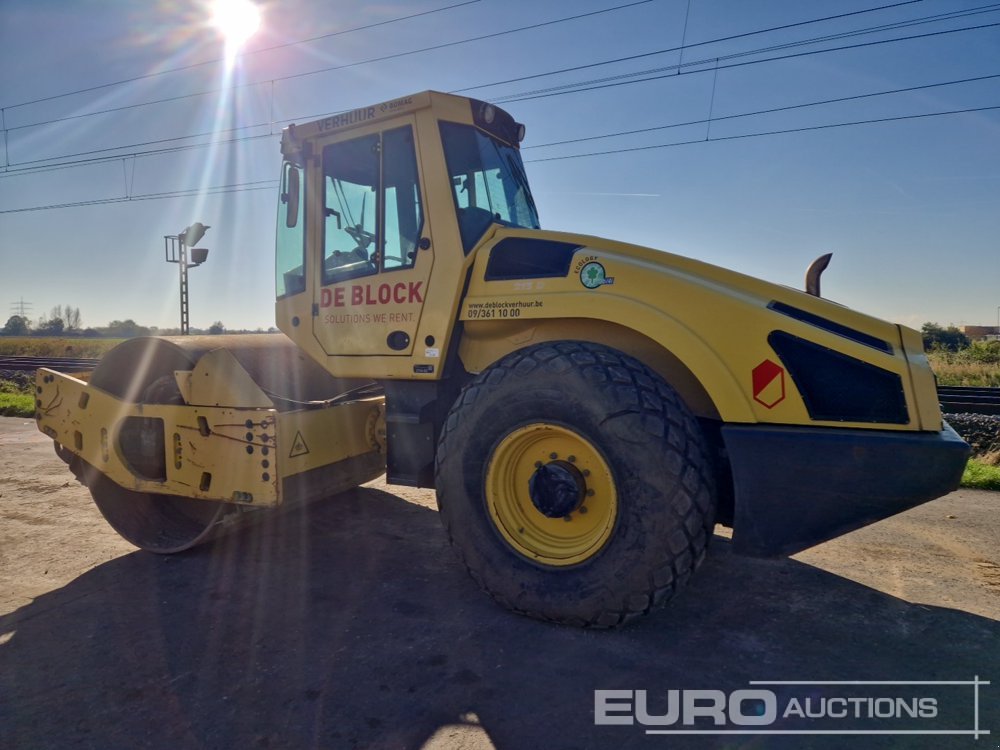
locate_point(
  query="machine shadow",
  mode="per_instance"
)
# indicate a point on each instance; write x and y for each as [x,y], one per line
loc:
[350,623]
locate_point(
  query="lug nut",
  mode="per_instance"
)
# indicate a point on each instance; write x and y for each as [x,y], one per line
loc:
[553,456]
[582,509]
[590,493]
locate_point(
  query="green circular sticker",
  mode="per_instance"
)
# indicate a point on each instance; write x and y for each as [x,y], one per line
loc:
[592,275]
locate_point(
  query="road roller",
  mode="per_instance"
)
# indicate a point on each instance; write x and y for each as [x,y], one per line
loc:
[587,410]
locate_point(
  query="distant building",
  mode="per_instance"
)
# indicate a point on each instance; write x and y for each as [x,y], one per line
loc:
[982,333]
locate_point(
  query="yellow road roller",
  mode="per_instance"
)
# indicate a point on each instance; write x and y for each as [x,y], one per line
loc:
[587,410]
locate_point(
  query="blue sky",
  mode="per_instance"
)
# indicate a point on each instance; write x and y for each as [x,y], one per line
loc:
[910,208]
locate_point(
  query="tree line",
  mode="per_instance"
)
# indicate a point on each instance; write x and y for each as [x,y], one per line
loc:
[66,321]
[59,321]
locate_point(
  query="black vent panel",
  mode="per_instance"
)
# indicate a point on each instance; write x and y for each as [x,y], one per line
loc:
[832,326]
[838,388]
[524,258]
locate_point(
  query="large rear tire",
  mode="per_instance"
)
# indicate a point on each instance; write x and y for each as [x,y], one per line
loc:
[575,485]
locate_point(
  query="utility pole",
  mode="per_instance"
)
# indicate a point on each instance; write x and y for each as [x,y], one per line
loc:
[20,308]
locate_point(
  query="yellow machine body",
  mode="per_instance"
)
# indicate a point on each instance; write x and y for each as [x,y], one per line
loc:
[560,391]
[231,423]
[223,453]
[702,327]
[705,329]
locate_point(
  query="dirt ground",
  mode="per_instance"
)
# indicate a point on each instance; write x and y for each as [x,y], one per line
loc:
[350,623]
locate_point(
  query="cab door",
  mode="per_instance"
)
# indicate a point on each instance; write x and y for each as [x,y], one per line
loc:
[375,258]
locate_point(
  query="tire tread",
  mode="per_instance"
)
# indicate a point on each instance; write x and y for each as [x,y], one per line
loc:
[655,408]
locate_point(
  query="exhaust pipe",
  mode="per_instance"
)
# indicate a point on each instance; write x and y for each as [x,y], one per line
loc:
[814,272]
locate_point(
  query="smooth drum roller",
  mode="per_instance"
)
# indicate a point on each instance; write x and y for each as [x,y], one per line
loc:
[141,371]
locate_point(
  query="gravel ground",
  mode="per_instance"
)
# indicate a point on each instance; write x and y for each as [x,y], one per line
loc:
[980,431]
[349,624]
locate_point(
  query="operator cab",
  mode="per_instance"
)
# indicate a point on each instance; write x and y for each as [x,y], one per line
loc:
[371,202]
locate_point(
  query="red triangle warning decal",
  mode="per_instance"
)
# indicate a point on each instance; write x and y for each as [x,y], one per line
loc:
[299,447]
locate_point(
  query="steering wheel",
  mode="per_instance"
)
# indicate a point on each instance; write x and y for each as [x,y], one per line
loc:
[361,236]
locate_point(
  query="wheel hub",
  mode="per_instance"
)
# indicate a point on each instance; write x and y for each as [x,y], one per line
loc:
[557,489]
[551,494]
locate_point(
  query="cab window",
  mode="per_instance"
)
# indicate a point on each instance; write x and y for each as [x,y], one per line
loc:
[290,243]
[488,180]
[373,215]
[404,216]
[351,177]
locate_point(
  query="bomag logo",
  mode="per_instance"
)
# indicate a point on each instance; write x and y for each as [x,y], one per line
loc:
[395,104]
[400,293]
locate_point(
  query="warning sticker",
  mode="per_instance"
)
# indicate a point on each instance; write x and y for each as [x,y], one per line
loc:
[768,384]
[299,447]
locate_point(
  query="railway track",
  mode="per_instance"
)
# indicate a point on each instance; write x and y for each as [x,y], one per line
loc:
[953,399]
[969,400]
[60,364]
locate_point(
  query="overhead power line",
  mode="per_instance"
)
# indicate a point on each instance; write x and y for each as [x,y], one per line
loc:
[24,167]
[239,187]
[686,47]
[678,69]
[771,110]
[98,159]
[248,53]
[171,149]
[784,131]
[702,121]
[181,97]
[343,66]
[270,185]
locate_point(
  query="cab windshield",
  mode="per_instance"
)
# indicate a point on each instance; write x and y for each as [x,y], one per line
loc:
[488,182]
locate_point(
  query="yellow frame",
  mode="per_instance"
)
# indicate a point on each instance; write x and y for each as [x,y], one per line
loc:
[673,313]
[246,465]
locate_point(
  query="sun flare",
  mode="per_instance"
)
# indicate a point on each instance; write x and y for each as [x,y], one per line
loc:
[237,21]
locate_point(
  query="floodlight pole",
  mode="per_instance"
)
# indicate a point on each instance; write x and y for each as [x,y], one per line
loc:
[185,311]
[176,251]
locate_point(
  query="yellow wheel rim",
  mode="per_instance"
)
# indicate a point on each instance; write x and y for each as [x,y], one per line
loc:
[565,540]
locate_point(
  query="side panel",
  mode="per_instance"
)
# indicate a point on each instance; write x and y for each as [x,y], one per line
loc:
[239,455]
[211,453]
[319,437]
[486,342]
[797,486]
[718,324]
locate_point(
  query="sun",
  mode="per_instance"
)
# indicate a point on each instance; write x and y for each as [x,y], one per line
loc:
[236,20]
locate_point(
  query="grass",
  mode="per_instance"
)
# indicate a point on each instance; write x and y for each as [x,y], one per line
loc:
[17,405]
[981,475]
[52,346]
[963,373]
[16,400]
[979,365]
